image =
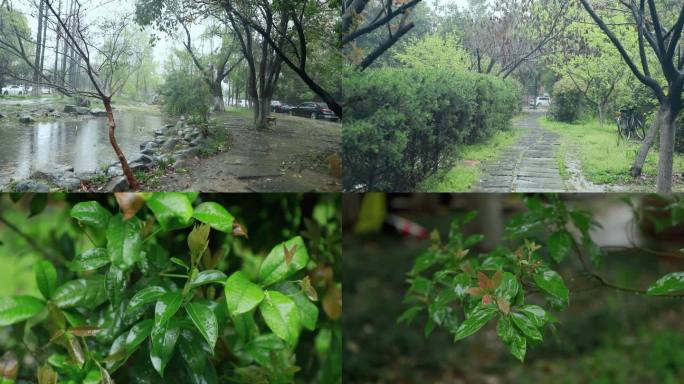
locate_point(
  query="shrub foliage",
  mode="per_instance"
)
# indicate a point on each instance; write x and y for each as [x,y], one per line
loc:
[449,279]
[402,124]
[161,290]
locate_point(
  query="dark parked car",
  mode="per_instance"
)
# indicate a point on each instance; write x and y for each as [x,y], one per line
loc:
[314,111]
[282,108]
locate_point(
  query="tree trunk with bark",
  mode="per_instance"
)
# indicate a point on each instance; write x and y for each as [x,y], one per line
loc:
[217,93]
[39,50]
[132,181]
[666,117]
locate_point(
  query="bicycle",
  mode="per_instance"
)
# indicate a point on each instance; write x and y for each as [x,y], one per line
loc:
[630,123]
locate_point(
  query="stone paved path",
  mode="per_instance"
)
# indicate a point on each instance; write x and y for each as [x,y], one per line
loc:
[527,166]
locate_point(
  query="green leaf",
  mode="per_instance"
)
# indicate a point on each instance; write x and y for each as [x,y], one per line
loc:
[461,285]
[245,326]
[143,297]
[124,241]
[263,346]
[90,260]
[38,204]
[672,282]
[241,294]
[409,315]
[92,214]
[172,209]
[275,268]
[308,311]
[477,318]
[205,321]
[510,336]
[88,292]
[207,277]
[509,286]
[193,349]
[552,283]
[137,334]
[535,313]
[115,283]
[163,337]
[559,245]
[281,316]
[167,306]
[14,309]
[46,277]
[215,215]
[526,325]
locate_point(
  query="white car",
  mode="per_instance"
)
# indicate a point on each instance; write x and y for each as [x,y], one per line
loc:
[542,101]
[13,90]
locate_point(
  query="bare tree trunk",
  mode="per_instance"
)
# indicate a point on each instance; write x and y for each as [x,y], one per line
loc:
[217,92]
[666,151]
[42,50]
[262,110]
[39,42]
[638,165]
[132,181]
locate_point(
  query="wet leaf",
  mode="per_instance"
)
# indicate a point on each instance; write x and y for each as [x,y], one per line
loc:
[46,277]
[510,336]
[559,245]
[14,309]
[672,282]
[508,287]
[88,292]
[130,203]
[172,209]
[137,334]
[92,214]
[241,294]
[526,325]
[207,277]
[281,316]
[263,346]
[124,242]
[90,260]
[215,216]
[164,337]
[198,240]
[552,283]
[143,297]
[115,283]
[205,321]
[535,313]
[274,268]
[167,306]
[477,319]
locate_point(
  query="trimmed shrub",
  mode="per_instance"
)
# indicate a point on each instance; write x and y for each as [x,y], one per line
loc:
[403,124]
[567,104]
[184,94]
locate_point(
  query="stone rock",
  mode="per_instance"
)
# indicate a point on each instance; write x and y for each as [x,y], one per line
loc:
[148,144]
[159,140]
[26,119]
[186,153]
[98,112]
[68,183]
[31,186]
[196,142]
[50,109]
[76,109]
[2,116]
[143,159]
[148,151]
[117,184]
[135,167]
[169,145]
[114,170]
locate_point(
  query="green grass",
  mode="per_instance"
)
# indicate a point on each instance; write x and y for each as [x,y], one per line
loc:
[466,172]
[603,159]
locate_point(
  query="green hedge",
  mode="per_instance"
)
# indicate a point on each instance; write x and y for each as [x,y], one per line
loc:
[568,102]
[402,124]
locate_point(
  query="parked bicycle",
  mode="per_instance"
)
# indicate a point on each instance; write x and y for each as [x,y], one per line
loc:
[630,123]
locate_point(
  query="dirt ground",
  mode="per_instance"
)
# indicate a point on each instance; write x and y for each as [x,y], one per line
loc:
[290,156]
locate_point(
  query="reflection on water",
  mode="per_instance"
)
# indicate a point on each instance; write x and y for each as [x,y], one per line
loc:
[83,145]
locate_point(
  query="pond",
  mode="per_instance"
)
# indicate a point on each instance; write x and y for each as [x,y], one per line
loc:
[81,144]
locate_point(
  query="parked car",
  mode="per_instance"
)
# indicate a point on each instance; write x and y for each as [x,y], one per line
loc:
[280,107]
[542,101]
[314,110]
[13,90]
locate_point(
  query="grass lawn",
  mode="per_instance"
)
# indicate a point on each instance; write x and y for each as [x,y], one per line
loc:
[603,159]
[466,172]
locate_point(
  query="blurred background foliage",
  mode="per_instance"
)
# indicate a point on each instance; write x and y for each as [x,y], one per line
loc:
[604,336]
[38,226]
